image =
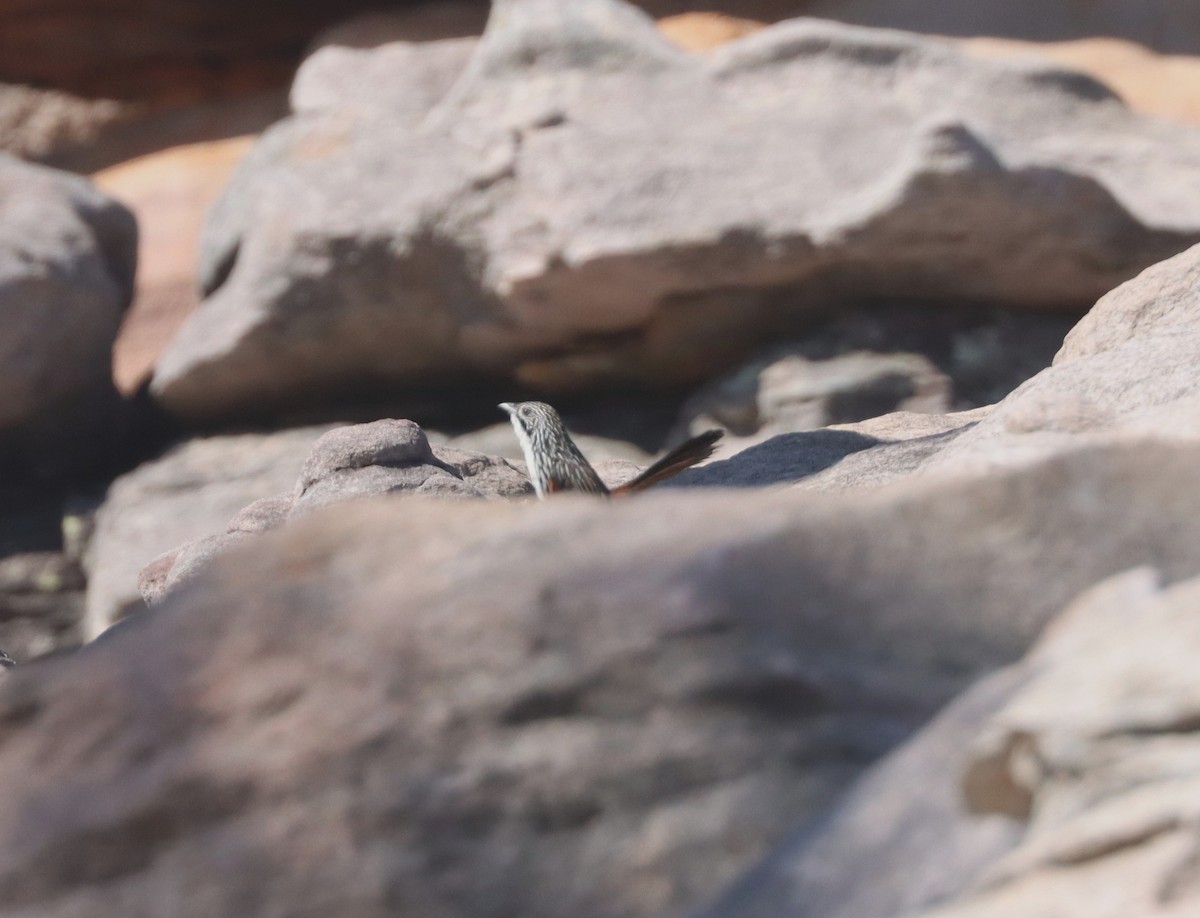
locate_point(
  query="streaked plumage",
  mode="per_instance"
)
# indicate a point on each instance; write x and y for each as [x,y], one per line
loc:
[556,464]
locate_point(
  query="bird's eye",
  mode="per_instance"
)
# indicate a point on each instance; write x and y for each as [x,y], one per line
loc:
[526,412]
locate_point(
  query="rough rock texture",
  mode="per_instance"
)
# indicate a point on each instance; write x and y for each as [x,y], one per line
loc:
[1124,373]
[901,838]
[579,707]
[1099,751]
[1167,85]
[566,213]
[67,257]
[788,392]
[190,492]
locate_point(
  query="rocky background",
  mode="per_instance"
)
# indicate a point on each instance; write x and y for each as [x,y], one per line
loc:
[292,636]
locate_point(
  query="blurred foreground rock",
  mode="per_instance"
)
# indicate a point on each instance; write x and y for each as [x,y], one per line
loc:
[190,492]
[593,708]
[565,214]
[67,257]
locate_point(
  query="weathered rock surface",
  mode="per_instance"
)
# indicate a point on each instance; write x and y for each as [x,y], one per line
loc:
[901,838]
[67,257]
[570,707]
[788,392]
[1167,85]
[190,492]
[499,233]
[1126,372]
[1099,752]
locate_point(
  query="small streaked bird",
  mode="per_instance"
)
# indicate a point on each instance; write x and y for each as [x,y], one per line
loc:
[556,464]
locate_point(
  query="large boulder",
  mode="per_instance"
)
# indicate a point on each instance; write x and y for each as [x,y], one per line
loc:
[429,707]
[902,838]
[1126,372]
[67,259]
[566,213]
[191,491]
[1099,753]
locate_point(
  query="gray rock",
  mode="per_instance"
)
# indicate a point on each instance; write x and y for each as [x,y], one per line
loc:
[782,393]
[1099,752]
[1126,372]
[542,708]
[405,78]
[382,457]
[566,214]
[191,492]
[901,838]
[67,257]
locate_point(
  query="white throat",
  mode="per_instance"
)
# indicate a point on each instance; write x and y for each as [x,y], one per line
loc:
[527,449]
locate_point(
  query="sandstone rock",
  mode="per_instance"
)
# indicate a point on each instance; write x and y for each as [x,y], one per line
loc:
[572,231]
[407,78]
[1099,752]
[1167,85]
[579,707]
[703,31]
[345,463]
[901,838]
[67,256]
[1124,373]
[170,192]
[787,392]
[1163,24]
[191,492]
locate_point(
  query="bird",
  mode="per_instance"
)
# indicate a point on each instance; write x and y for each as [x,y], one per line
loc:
[556,464]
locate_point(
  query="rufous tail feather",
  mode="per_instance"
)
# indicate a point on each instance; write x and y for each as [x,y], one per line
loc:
[682,457]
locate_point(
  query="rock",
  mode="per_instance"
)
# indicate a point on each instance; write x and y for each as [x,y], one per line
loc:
[340,79]
[901,838]
[703,31]
[346,463]
[1099,752]
[1157,84]
[500,236]
[1162,24]
[190,492]
[170,192]
[1124,373]
[41,602]
[786,392]
[67,256]
[542,708]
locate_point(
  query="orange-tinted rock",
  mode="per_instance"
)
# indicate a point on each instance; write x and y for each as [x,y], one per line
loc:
[170,192]
[701,31]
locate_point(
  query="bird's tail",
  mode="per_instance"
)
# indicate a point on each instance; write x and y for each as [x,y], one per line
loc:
[682,457]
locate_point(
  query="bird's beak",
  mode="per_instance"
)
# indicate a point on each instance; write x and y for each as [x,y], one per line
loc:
[507,406]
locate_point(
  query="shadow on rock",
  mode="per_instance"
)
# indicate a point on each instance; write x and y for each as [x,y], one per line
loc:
[782,459]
